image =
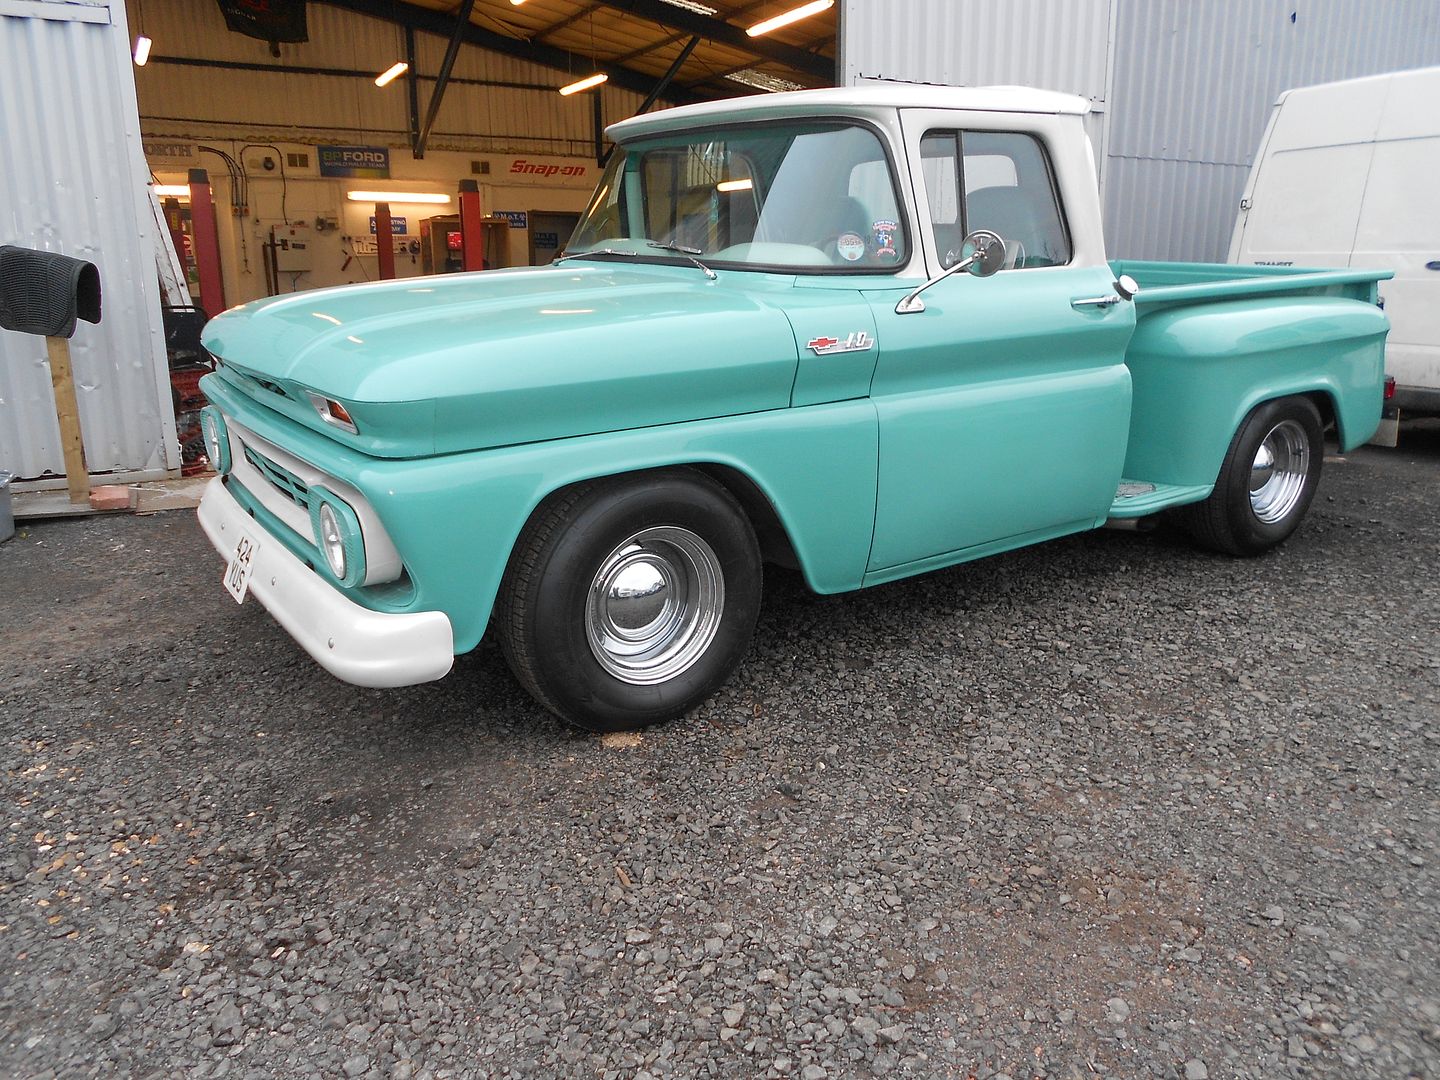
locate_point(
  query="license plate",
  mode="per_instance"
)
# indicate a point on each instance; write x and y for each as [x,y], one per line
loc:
[237,574]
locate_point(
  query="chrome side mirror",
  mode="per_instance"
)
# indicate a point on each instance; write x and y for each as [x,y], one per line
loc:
[1127,287]
[982,253]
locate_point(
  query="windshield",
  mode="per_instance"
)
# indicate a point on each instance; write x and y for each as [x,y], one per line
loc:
[799,195]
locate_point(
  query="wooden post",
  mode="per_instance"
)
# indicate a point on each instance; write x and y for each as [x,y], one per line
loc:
[44,293]
[67,411]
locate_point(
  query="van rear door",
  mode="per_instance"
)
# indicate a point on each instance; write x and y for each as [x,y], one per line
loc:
[1303,198]
[1399,229]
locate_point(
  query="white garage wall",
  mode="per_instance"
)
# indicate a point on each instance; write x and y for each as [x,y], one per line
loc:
[276,110]
[72,181]
[219,103]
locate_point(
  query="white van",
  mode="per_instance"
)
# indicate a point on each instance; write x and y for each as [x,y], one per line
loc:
[1348,174]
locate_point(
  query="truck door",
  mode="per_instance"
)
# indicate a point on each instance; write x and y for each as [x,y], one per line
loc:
[1004,406]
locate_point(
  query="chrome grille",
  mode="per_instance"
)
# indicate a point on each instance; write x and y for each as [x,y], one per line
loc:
[280,478]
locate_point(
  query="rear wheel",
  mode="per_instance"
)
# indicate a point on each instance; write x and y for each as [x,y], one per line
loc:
[628,602]
[1266,483]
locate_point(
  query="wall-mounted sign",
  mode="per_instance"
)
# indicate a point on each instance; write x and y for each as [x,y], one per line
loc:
[160,150]
[518,219]
[397,225]
[366,162]
[549,240]
[552,170]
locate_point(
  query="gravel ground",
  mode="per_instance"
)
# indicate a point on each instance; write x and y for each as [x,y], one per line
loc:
[1107,807]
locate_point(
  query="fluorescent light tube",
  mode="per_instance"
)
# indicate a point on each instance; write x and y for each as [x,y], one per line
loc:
[397,197]
[804,11]
[584,84]
[393,72]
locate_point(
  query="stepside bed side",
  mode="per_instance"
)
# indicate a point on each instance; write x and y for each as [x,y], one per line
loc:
[1199,368]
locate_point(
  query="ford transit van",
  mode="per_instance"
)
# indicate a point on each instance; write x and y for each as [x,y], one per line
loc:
[1348,174]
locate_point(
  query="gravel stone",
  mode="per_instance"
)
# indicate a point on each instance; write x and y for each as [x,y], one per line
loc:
[1109,806]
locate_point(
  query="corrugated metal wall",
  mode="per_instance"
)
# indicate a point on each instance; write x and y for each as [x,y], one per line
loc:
[1188,90]
[72,180]
[1193,86]
[1055,44]
[213,102]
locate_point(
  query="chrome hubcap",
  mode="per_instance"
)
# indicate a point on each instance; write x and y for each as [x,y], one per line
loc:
[655,605]
[1277,475]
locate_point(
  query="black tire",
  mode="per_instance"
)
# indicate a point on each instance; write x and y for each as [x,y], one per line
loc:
[1239,521]
[679,523]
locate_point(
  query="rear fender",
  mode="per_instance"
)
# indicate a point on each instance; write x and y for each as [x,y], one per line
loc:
[1199,370]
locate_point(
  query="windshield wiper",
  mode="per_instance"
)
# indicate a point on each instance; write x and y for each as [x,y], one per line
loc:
[688,252]
[591,251]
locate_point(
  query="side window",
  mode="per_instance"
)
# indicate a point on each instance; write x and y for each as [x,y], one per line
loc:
[1009,190]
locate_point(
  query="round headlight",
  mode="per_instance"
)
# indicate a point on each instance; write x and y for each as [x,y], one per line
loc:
[339,536]
[217,446]
[332,540]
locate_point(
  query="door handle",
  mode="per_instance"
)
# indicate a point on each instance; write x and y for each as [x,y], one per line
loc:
[1095,301]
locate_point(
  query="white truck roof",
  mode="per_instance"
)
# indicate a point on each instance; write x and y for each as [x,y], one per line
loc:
[1019,99]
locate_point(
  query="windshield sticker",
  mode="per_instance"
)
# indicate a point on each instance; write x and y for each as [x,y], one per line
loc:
[857,341]
[850,246]
[884,232]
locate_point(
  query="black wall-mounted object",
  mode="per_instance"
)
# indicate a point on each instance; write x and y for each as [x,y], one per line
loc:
[268,20]
[44,293]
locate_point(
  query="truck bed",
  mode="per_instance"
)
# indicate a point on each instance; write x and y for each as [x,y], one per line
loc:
[1212,341]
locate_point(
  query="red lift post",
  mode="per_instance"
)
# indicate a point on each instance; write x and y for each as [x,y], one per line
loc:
[384,241]
[206,242]
[472,234]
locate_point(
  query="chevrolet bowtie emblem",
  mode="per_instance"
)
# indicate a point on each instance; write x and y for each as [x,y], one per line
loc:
[858,341]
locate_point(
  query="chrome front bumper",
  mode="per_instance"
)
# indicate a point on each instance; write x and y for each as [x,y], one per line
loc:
[364,647]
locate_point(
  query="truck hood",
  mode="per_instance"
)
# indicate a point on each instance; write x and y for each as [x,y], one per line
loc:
[466,361]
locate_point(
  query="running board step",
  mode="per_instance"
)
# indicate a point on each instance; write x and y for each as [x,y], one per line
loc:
[1138,498]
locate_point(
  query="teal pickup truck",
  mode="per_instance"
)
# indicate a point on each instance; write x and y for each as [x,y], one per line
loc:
[865,333]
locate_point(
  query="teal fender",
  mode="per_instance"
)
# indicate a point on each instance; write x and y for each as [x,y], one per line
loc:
[1199,370]
[456,517]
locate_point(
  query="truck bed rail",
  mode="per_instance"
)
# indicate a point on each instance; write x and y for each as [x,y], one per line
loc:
[1166,283]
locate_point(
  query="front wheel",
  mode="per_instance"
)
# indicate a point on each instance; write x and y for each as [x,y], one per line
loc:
[1266,483]
[628,602]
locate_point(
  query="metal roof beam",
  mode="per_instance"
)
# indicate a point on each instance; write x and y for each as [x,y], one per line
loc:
[673,38]
[717,30]
[669,75]
[560,24]
[442,80]
[441,25]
